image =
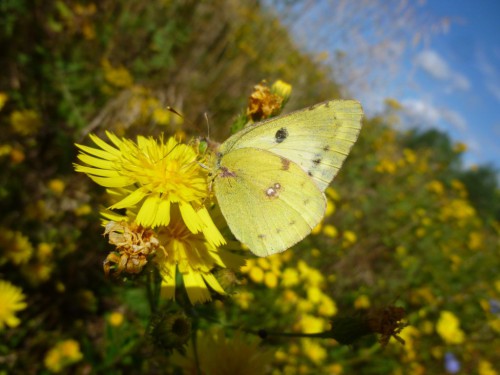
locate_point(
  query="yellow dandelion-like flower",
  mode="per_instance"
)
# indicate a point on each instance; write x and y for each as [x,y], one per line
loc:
[194,257]
[152,175]
[362,302]
[12,299]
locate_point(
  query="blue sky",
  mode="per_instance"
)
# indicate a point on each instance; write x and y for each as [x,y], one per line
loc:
[457,77]
[450,80]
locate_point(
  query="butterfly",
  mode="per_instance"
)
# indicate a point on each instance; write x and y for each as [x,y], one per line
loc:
[271,176]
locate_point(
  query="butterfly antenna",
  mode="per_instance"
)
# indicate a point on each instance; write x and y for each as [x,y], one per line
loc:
[208,125]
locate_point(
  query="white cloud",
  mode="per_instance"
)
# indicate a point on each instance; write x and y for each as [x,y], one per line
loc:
[427,114]
[432,63]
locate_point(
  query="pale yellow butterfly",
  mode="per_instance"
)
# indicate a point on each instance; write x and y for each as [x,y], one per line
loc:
[270,177]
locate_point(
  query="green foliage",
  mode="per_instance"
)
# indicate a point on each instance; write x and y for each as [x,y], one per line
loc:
[407,225]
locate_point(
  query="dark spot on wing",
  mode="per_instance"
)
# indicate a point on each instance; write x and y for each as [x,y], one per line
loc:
[285,164]
[281,135]
[293,222]
[261,236]
[306,202]
[317,161]
[310,173]
[226,172]
[326,148]
[278,230]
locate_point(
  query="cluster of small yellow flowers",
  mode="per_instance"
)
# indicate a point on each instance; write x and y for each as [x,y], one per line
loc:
[12,299]
[410,156]
[118,77]
[386,166]
[266,270]
[17,247]
[457,209]
[448,327]
[40,268]
[62,355]
[163,188]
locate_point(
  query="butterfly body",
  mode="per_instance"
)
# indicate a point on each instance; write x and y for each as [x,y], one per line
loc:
[270,177]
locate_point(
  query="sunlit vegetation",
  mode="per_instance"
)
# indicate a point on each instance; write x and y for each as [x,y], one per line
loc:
[408,251]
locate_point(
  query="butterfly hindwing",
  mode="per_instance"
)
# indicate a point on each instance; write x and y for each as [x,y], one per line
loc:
[269,202]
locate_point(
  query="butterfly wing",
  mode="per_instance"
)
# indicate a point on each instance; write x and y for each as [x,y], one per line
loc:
[269,202]
[318,139]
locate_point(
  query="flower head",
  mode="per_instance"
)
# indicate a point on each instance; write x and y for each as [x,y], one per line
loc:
[149,176]
[63,354]
[12,301]
[194,257]
[163,189]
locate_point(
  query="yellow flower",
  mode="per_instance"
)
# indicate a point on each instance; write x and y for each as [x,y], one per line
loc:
[349,238]
[63,354]
[152,175]
[218,355]
[327,306]
[161,116]
[486,368]
[460,147]
[475,240]
[118,77]
[410,156]
[56,186]
[12,299]
[386,166]
[25,122]
[243,299]
[314,351]
[18,248]
[310,324]
[289,277]
[448,327]
[194,257]
[256,275]
[362,302]
[330,231]
[3,99]
[270,279]
[282,89]
[116,319]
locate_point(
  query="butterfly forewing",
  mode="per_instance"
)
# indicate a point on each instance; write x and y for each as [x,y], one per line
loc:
[317,139]
[269,202]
